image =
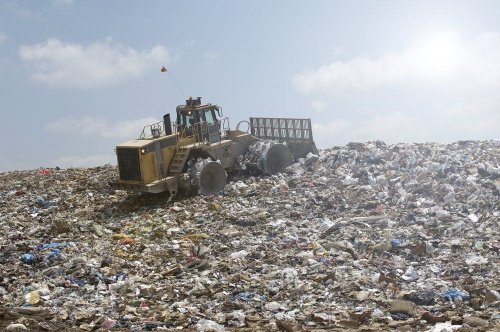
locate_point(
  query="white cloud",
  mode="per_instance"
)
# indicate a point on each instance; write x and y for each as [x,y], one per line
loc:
[67,65]
[210,57]
[318,105]
[396,127]
[84,161]
[63,2]
[330,133]
[99,127]
[442,58]
[441,88]
[3,37]
[17,10]
[189,44]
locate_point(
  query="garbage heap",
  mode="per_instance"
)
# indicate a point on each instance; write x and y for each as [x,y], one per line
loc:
[365,236]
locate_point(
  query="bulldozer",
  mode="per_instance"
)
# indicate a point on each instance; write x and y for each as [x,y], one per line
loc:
[198,150]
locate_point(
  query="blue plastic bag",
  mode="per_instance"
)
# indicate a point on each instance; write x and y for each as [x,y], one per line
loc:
[453,293]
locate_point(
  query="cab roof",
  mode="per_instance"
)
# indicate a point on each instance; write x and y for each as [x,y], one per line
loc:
[194,105]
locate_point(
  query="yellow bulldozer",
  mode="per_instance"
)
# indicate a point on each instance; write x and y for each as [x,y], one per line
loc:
[198,150]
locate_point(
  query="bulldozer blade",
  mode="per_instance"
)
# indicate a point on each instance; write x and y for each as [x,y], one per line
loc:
[297,133]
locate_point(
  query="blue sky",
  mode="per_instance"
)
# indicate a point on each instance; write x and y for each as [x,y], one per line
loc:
[78,77]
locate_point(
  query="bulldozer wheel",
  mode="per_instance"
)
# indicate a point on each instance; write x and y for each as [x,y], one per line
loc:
[212,178]
[279,157]
[207,176]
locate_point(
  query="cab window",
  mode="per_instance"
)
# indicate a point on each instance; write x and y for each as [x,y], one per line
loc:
[209,116]
[186,120]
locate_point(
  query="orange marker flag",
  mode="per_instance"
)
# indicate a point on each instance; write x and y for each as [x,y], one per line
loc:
[163,69]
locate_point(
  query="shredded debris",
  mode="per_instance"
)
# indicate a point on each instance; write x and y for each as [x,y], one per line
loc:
[364,236]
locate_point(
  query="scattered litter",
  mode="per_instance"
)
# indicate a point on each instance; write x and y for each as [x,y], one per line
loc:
[365,236]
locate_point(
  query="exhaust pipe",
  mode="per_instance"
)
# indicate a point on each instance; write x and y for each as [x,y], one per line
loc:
[167,124]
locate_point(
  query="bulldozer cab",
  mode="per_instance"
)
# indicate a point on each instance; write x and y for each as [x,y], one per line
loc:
[199,121]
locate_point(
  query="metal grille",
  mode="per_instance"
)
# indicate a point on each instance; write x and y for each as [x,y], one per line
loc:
[282,129]
[128,164]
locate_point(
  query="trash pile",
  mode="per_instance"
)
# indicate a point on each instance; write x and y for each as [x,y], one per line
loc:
[365,236]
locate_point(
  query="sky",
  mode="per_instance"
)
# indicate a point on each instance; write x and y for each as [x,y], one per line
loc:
[79,77]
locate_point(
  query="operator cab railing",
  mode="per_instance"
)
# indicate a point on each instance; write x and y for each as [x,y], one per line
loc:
[153,130]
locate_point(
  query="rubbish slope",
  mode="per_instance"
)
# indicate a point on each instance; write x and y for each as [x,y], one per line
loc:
[364,236]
